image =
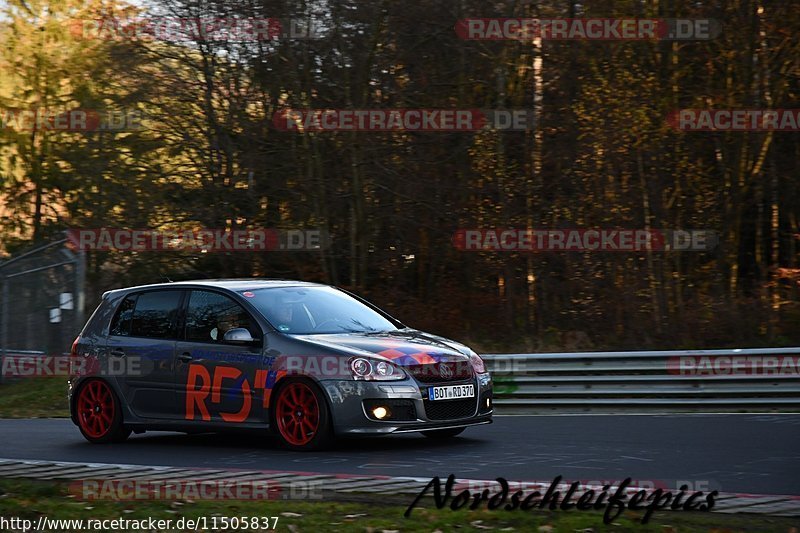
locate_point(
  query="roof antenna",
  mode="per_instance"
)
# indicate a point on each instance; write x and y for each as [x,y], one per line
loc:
[165,278]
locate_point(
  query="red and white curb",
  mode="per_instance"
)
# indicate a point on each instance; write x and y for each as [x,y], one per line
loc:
[774,505]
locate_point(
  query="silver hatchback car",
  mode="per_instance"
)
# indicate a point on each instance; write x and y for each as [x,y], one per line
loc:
[306,360]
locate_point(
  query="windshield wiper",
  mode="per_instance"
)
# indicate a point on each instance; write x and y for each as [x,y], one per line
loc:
[365,329]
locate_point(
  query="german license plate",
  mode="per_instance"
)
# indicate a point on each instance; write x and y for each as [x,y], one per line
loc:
[451,392]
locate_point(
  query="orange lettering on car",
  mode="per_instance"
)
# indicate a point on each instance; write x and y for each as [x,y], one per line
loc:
[197,396]
[227,372]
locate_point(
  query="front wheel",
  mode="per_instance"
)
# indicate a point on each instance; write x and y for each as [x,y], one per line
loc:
[99,413]
[301,418]
[443,433]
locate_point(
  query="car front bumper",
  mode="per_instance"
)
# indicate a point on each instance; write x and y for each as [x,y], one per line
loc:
[350,416]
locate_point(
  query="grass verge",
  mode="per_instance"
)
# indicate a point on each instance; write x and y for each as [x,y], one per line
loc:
[34,398]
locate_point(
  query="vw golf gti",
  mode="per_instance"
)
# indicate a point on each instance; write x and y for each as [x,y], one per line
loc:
[308,361]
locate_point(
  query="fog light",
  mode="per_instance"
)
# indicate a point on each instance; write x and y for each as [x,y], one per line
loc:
[380,413]
[488,402]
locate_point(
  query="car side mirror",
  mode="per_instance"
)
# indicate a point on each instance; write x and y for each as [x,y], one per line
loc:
[239,336]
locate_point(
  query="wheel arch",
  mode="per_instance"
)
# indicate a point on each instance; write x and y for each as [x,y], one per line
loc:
[288,378]
[78,384]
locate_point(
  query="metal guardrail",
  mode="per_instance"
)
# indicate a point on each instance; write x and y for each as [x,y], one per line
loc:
[762,379]
[3,377]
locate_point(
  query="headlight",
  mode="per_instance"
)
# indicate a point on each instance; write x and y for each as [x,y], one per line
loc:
[384,369]
[361,368]
[477,363]
[373,370]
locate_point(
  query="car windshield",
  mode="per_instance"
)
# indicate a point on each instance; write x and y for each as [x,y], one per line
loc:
[316,310]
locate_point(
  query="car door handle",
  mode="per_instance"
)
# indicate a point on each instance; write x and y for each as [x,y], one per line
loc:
[117,352]
[185,357]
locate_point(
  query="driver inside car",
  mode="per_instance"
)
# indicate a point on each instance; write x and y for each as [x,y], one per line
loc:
[226,323]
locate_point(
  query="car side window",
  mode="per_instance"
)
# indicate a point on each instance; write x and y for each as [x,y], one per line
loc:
[210,315]
[121,324]
[155,313]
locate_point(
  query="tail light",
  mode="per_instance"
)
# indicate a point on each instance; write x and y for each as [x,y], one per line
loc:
[74,361]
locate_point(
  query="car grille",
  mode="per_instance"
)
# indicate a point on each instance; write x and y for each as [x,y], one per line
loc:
[449,409]
[433,373]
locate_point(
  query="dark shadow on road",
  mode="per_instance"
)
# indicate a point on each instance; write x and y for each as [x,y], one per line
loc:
[256,441]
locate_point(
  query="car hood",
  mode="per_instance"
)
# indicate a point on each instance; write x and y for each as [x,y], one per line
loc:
[404,347]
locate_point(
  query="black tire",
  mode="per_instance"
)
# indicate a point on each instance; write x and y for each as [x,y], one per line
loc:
[443,433]
[111,432]
[321,437]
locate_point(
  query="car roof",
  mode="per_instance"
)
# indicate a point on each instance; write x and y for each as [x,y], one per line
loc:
[235,284]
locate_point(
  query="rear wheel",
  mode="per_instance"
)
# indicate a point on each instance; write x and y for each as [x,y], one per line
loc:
[99,414]
[443,433]
[300,416]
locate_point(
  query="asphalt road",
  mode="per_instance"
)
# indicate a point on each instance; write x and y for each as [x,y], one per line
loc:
[758,454]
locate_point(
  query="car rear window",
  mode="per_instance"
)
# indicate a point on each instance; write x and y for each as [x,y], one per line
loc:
[121,325]
[155,313]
